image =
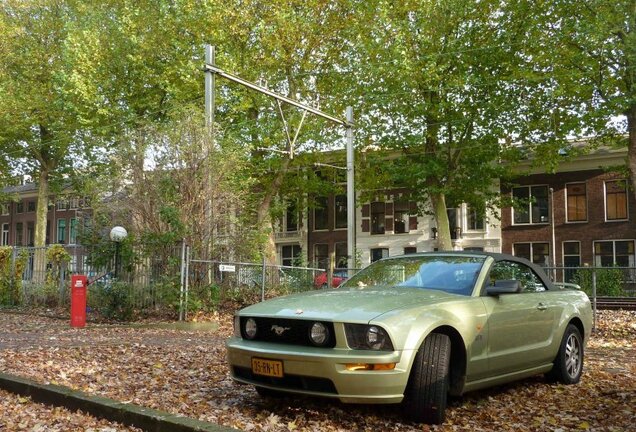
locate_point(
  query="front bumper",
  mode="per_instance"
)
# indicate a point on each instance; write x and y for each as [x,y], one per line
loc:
[322,371]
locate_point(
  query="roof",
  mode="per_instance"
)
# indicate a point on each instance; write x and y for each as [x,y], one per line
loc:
[27,187]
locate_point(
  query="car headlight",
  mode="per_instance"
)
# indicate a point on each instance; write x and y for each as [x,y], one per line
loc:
[250,328]
[368,337]
[319,334]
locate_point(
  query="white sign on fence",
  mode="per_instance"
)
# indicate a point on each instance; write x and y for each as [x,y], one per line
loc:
[227,268]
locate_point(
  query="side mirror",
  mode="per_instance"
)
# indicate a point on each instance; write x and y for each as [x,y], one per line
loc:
[507,286]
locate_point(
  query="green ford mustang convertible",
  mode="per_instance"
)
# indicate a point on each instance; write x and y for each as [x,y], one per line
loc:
[413,329]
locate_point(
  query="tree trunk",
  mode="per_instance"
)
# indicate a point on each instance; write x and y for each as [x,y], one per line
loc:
[42,208]
[441,217]
[263,217]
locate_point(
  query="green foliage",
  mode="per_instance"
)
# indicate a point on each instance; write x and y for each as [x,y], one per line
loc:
[609,281]
[11,275]
[112,300]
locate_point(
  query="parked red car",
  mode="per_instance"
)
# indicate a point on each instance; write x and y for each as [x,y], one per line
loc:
[339,276]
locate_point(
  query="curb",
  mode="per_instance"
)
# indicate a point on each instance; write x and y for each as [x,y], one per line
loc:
[128,414]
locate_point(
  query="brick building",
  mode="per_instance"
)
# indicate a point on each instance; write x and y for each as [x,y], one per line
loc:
[18,217]
[581,215]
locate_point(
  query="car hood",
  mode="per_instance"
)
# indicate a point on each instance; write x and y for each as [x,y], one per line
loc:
[347,304]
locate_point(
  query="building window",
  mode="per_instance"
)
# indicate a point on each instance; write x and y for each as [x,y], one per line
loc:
[72,233]
[410,250]
[290,255]
[291,217]
[379,253]
[19,234]
[453,226]
[4,241]
[571,258]
[377,217]
[615,200]
[19,207]
[401,217]
[321,255]
[611,253]
[4,209]
[576,202]
[341,211]
[474,219]
[61,231]
[30,206]
[474,249]
[61,204]
[537,253]
[30,234]
[74,203]
[342,255]
[320,214]
[531,205]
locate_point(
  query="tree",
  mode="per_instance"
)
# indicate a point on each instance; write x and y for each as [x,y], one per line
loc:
[37,126]
[296,46]
[587,50]
[443,102]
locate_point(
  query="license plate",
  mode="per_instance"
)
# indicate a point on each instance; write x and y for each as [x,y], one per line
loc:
[272,368]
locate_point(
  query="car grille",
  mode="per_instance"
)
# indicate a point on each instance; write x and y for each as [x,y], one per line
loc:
[294,331]
[292,382]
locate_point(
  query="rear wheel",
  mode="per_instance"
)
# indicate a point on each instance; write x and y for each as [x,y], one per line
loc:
[427,391]
[568,364]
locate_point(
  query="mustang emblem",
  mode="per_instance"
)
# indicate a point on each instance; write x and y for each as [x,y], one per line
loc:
[279,330]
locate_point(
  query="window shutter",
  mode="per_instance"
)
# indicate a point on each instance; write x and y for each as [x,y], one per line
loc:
[365,225]
[412,223]
[366,210]
[388,224]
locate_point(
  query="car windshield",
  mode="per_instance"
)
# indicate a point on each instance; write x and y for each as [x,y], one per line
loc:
[452,274]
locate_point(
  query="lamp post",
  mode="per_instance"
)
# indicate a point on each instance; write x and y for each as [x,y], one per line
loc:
[117,235]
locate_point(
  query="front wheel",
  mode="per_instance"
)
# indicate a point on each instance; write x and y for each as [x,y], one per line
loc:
[427,391]
[568,364]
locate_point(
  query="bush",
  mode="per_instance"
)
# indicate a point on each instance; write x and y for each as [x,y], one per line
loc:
[11,275]
[609,281]
[112,300]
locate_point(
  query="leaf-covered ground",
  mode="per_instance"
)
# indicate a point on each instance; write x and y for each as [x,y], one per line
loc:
[184,372]
[19,413]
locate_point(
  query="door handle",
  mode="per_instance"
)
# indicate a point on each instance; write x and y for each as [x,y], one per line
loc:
[541,307]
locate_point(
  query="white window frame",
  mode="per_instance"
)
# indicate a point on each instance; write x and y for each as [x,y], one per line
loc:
[613,241]
[335,212]
[563,255]
[532,243]
[466,209]
[326,209]
[605,201]
[529,187]
[587,204]
[4,240]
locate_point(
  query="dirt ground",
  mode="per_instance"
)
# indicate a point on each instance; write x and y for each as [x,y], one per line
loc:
[184,372]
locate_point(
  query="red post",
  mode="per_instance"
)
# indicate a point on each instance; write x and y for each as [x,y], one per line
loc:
[78,300]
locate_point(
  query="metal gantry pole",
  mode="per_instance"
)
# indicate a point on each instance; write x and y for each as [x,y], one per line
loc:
[209,87]
[351,197]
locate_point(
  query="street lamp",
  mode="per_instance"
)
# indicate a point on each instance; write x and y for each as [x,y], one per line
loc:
[117,235]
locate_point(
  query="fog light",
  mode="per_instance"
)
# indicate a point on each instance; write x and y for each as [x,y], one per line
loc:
[250,328]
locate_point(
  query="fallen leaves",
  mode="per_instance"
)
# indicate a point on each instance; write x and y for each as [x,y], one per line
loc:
[21,413]
[184,372]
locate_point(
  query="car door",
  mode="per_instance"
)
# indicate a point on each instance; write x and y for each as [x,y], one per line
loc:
[520,325]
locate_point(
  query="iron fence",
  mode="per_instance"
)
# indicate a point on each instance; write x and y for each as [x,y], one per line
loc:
[597,281]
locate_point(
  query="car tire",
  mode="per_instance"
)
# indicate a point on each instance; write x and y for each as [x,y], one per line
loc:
[427,391]
[268,393]
[568,364]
